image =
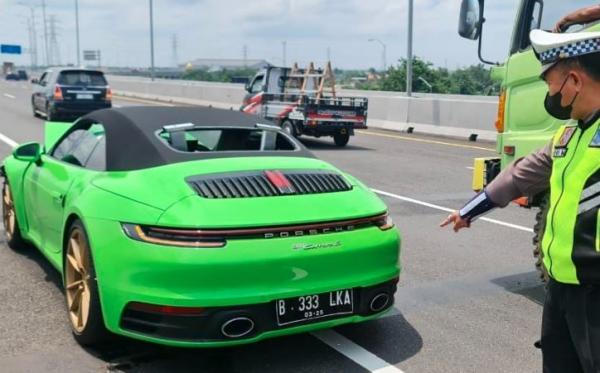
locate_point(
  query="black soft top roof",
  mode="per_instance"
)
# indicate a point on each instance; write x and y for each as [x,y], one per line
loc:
[132,142]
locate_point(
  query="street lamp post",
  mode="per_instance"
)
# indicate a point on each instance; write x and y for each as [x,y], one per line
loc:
[383,54]
[151,42]
[77,31]
[409,54]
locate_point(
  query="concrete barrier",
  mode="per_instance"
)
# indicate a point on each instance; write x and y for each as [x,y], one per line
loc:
[447,115]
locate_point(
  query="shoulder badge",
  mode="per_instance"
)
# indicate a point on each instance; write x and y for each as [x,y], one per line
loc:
[565,137]
[595,143]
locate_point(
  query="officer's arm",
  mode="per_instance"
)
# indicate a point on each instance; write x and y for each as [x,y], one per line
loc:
[526,176]
[584,15]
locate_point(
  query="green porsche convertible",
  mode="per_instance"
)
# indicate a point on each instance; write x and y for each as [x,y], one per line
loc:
[198,227]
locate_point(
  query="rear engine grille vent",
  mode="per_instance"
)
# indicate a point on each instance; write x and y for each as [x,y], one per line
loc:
[268,184]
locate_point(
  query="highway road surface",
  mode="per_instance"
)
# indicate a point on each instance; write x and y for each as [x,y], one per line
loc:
[467,302]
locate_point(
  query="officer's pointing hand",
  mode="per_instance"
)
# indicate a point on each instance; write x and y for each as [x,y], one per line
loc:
[459,223]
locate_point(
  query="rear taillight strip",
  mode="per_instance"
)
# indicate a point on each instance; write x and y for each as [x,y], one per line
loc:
[217,237]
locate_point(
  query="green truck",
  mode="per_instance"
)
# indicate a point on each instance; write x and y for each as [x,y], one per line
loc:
[522,123]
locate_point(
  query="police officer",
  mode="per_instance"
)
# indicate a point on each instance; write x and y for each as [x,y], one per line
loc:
[570,166]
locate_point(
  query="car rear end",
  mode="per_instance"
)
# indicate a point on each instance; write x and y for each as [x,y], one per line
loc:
[80,91]
[257,248]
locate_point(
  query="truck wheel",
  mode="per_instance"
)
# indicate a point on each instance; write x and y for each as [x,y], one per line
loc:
[341,139]
[538,230]
[288,127]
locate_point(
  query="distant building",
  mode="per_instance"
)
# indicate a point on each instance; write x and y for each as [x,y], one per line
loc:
[216,64]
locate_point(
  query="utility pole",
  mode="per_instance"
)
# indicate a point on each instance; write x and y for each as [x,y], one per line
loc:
[55,51]
[45,33]
[328,54]
[151,42]
[409,54]
[383,54]
[33,52]
[283,59]
[174,46]
[245,55]
[77,31]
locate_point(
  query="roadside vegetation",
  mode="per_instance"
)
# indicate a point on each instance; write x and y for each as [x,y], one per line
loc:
[427,78]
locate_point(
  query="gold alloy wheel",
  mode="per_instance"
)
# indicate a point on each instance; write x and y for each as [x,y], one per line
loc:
[8,213]
[77,269]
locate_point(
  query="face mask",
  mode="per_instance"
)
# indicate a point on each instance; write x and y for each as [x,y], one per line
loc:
[555,108]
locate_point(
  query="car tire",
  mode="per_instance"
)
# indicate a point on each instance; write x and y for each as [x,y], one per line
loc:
[12,232]
[288,127]
[341,139]
[50,114]
[538,230]
[81,289]
[34,110]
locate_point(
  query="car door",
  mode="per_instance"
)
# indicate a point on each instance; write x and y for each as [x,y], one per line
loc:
[51,181]
[38,90]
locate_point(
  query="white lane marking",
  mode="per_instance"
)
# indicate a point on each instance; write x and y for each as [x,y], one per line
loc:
[354,352]
[117,106]
[470,168]
[7,140]
[437,207]
[9,96]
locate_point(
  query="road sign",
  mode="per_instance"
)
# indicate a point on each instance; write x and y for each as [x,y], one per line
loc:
[10,49]
[91,55]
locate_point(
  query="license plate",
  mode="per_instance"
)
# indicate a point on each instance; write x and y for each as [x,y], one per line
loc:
[317,306]
[85,96]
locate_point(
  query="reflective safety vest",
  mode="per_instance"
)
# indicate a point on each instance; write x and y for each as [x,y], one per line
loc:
[571,242]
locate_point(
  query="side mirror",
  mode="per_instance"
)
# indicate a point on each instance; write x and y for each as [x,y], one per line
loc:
[247,87]
[35,81]
[470,20]
[28,152]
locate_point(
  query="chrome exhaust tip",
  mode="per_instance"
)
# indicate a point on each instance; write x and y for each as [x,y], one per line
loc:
[379,302]
[237,327]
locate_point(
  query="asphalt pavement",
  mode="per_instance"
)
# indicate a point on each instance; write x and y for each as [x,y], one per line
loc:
[467,302]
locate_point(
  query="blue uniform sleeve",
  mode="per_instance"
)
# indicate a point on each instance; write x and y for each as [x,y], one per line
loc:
[476,207]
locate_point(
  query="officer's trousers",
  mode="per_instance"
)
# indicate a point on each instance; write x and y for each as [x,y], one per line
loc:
[571,328]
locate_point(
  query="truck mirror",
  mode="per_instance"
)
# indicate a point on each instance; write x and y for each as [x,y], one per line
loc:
[247,86]
[34,81]
[469,24]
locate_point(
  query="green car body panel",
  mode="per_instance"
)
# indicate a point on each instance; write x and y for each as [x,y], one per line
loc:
[50,194]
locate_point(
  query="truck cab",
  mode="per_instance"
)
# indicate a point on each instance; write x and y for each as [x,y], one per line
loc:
[523,125]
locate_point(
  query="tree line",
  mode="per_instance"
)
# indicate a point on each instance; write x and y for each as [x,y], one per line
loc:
[471,80]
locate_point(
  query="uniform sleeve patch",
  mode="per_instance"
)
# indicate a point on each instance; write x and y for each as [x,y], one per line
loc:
[565,137]
[595,143]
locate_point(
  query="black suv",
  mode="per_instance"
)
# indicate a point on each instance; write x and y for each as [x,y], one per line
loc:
[69,92]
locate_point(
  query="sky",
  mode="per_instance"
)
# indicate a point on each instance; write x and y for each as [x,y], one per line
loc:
[221,29]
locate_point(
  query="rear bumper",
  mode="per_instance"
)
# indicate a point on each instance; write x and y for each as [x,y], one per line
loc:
[78,107]
[332,128]
[244,277]
[208,327]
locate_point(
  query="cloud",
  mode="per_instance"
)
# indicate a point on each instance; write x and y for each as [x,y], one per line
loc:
[221,28]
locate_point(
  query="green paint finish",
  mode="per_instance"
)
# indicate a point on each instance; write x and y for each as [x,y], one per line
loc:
[50,194]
